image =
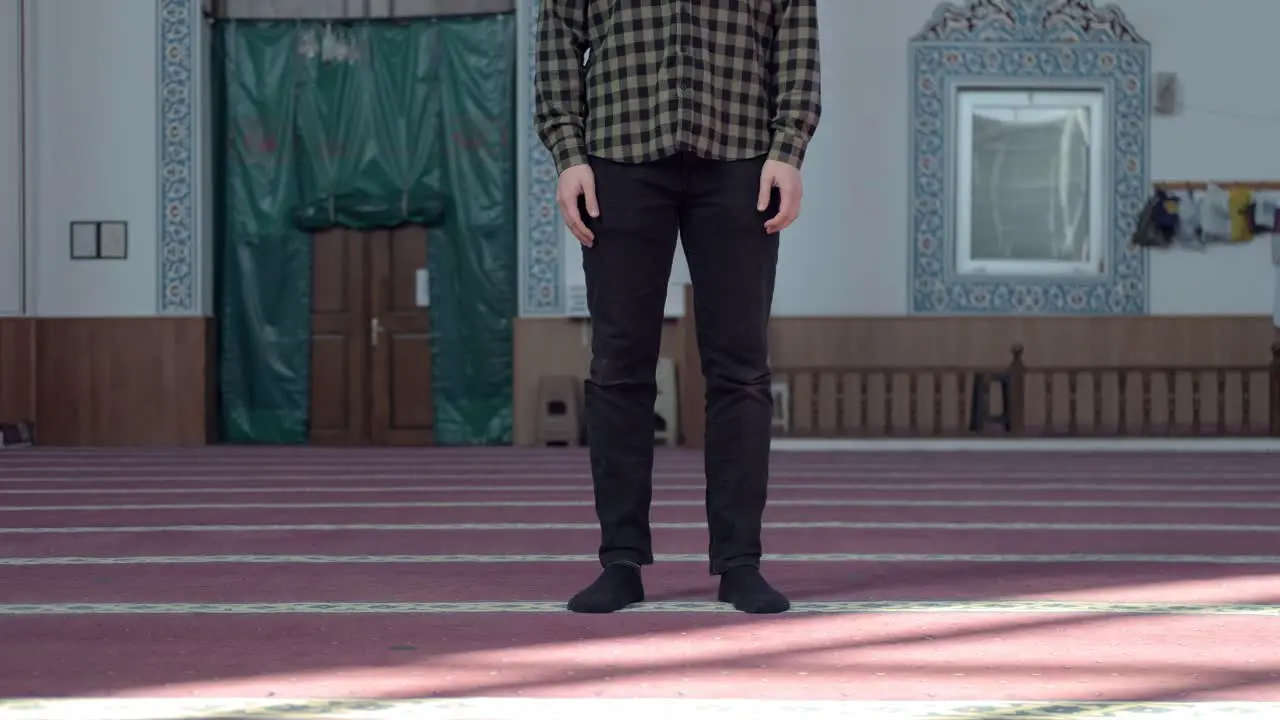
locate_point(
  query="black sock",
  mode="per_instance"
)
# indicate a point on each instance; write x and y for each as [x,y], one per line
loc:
[617,587]
[747,590]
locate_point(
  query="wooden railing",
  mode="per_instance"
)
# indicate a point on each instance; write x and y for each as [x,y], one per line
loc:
[1010,401]
[824,402]
[1017,400]
[1150,401]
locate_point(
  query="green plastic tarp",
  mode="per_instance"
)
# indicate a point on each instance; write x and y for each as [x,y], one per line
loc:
[366,126]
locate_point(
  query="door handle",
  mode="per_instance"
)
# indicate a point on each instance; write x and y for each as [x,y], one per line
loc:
[375,329]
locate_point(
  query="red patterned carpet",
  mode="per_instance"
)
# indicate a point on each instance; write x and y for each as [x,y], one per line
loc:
[1069,585]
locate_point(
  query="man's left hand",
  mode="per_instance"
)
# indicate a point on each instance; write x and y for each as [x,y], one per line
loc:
[777,174]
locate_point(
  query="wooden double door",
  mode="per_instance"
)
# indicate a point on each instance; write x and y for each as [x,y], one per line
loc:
[370,339]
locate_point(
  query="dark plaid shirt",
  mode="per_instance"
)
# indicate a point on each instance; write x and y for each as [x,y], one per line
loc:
[638,80]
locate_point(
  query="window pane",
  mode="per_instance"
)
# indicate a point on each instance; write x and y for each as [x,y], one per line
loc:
[1030,184]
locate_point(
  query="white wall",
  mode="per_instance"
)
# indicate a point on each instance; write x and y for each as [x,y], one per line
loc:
[10,158]
[93,85]
[1227,132]
[847,254]
[92,117]
[91,153]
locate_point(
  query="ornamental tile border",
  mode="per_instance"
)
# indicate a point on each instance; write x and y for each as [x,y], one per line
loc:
[1060,42]
[177,253]
[543,246]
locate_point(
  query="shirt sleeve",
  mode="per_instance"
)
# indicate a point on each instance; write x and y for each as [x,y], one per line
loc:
[559,80]
[797,79]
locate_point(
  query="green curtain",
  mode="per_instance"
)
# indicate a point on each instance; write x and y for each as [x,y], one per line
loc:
[365,125]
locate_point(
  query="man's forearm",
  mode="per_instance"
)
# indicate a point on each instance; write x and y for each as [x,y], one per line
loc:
[798,78]
[559,84]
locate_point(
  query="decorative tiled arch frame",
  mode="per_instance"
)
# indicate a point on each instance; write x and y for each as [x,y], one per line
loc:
[1045,42]
[543,247]
[177,251]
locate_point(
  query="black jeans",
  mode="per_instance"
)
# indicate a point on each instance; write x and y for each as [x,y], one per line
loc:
[732,261]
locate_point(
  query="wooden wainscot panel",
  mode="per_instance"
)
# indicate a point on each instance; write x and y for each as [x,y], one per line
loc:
[124,381]
[1142,376]
[985,341]
[17,370]
[551,346]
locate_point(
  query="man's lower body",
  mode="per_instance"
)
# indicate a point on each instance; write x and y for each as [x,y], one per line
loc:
[712,207]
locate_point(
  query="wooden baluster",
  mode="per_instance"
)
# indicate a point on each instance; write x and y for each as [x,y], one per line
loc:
[839,431]
[864,404]
[1016,402]
[1273,377]
[1122,392]
[1246,408]
[791,404]
[888,403]
[913,411]
[1222,402]
[1073,427]
[937,403]
[1146,402]
[1097,402]
[1047,382]
[815,403]
[1195,402]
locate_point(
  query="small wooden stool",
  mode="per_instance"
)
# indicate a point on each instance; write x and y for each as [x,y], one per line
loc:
[666,408]
[980,401]
[559,411]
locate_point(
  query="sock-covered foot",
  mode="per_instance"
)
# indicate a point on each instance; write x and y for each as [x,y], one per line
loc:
[747,590]
[617,587]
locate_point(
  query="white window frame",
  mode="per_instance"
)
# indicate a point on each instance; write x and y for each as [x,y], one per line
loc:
[970,101]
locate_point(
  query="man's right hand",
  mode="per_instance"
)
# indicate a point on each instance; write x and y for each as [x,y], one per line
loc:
[578,182]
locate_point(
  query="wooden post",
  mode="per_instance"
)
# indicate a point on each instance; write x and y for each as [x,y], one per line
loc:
[693,386]
[1017,396]
[1274,376]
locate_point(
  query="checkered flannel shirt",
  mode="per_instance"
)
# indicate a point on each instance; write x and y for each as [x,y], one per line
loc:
[638,80]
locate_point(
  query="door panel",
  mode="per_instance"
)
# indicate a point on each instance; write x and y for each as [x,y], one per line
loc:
[403,413]
[339,339]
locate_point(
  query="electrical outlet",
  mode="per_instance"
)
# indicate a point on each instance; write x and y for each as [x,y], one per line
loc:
[1167,95]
